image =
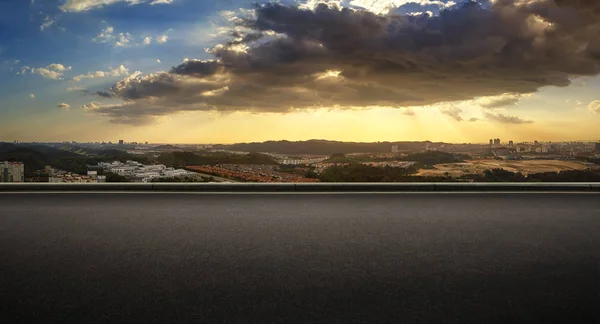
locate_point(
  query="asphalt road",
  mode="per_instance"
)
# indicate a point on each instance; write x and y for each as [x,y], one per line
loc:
[293,258]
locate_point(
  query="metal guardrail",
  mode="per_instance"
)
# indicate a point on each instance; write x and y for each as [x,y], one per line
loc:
[303,187]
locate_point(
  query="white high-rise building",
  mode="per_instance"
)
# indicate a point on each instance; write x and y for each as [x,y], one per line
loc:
[12,172]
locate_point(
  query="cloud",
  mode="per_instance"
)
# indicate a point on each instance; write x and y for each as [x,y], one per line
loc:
[162,39]
[122,114]
[473,119]
[120,71]
[47,23]
[453,112]
[408,112]
[506,119]
[71,89]
[103,94]
[379,6]
[84,5]
[91,106]
[283,58]
[108,35]
[32,96]
[158,61]
[574,102]
[53,71]
[503,100]
[594,106]
[64,106]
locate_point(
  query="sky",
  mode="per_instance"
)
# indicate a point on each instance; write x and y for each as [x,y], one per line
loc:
[198,71]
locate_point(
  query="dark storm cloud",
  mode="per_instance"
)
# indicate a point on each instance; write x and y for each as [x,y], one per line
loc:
[286,57]
[506,119]
[104,94]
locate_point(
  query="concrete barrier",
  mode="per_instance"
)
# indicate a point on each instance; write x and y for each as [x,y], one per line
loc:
[301,187]
[5,187]
[224,187]
[518,186]
[364,187]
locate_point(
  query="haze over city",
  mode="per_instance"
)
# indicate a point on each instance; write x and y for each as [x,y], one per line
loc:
[183,71]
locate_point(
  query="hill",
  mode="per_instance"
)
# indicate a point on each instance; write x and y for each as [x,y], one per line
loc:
[37,156]
[322,147]
[181,159]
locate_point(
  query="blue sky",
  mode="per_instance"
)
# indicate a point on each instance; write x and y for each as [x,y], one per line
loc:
[69,40]
[54,54]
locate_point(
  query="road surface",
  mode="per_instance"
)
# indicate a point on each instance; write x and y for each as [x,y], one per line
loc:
[299,258]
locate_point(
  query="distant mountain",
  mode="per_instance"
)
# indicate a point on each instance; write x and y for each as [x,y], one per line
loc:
[322,147]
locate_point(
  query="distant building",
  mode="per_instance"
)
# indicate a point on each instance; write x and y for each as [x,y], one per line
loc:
[497,141]
[491,142]
[395,149]
[121,142]
[597,147]
[511,144]
[12,172]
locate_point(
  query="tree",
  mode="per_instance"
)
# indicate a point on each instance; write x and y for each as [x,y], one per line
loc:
[113,177]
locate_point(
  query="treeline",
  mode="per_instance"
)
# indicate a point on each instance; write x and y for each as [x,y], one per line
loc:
[181,159]
[322,147]
[423,159]
[366,173]
[431,158]
[501,175]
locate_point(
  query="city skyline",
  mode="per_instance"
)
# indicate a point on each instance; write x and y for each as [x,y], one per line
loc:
[140,143]
[183,71]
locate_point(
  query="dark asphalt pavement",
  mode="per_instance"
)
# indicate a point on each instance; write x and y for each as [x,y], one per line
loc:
[290,258]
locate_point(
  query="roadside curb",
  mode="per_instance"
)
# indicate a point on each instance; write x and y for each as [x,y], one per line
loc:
[303,187]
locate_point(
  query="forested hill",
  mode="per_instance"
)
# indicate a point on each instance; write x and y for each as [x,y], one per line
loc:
[37,156]
[322,147]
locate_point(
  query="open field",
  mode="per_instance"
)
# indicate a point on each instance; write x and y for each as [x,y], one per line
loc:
[525,167]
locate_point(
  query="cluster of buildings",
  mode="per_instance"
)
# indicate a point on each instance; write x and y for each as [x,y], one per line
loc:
[60,176]
[562,149]
[391,164]
[303,161]
[320,167]
[12,172]
[143,173]
[567,149]
[251,173]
